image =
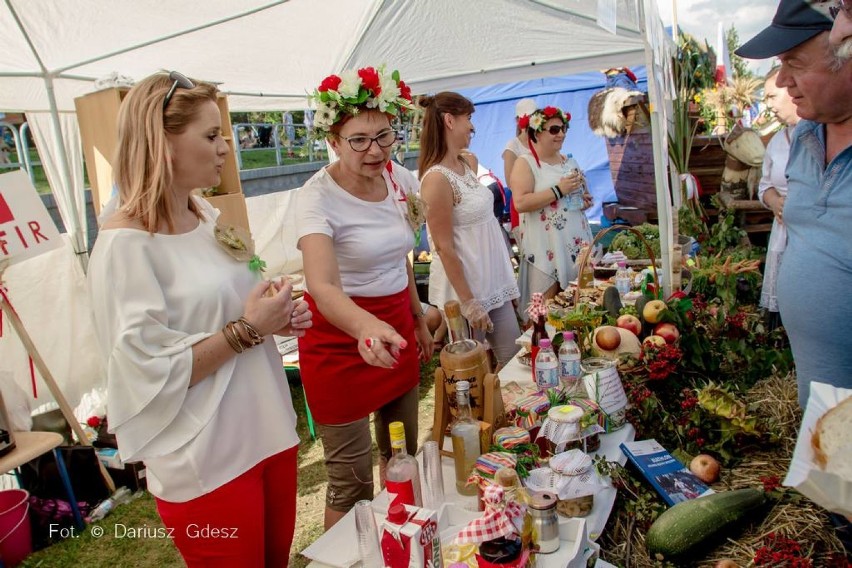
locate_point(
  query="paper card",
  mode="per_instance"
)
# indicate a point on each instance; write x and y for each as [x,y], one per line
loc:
[825,489]
[26,229]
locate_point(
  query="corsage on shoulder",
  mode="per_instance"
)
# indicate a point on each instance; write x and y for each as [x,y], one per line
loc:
[238,243]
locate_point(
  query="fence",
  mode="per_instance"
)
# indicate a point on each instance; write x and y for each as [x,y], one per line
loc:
[13,139]
[263,144]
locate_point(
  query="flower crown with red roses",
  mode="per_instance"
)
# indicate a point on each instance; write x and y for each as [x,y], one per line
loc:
[537,119]
[354,90]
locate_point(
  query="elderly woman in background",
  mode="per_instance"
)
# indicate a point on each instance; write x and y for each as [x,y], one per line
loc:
[357,219]
[549,191]
[772,190]
[471,263]
[182,321]
[517,146]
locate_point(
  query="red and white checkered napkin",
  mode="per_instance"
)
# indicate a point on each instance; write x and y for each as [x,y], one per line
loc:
[497,520]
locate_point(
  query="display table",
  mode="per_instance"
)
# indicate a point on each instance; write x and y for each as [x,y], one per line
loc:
[338,547]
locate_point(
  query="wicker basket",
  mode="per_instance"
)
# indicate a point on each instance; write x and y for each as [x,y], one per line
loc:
[587,254]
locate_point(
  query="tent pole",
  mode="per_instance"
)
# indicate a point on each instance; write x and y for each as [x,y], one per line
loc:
[77,236]
[658,131]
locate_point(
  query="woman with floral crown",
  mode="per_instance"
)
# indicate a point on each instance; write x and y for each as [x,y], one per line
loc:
[357,220]
[471,263]
[550,193]
[181,314]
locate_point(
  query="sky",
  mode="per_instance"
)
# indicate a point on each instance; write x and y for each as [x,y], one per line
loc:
[700,18]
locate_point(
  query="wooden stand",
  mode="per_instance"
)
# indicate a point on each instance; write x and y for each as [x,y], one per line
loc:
[492,413]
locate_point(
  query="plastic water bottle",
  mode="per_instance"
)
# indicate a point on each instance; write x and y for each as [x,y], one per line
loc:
[569,364]
[622,279]
[122,495]
[546,366]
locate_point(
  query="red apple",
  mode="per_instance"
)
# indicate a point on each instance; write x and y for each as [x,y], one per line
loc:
[667,331]
[631,323]
[653,311]
[705,468]
[654,340]
[607,338]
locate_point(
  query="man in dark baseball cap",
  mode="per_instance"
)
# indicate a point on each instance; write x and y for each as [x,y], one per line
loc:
[795,22]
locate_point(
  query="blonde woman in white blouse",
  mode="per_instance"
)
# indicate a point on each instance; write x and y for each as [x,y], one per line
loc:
[194,391]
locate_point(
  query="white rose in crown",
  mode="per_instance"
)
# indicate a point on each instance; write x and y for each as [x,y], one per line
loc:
[350,83]
[536,121]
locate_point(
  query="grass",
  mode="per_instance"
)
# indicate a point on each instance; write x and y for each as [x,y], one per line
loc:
[108,551]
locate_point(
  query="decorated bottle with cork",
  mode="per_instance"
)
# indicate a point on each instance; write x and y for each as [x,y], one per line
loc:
[402,477]
[464,432]
[538,314]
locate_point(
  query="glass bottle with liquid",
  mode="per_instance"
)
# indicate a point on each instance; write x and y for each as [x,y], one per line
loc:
[464,432]
[402,476]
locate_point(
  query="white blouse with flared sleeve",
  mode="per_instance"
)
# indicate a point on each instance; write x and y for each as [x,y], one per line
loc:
[154,297]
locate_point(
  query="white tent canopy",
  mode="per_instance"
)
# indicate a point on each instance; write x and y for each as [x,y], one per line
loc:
[268,54]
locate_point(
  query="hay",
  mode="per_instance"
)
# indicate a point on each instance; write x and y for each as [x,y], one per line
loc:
[775,401]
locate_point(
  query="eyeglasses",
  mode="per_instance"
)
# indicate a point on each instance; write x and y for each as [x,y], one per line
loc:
[556,129]
[362,143]
[181,81]
[842,5]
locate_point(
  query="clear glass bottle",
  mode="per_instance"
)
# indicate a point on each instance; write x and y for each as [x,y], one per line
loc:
[622,279]
[546,366]
[456,324]
[464,432]
[570,373]
[122,495]
[402,476]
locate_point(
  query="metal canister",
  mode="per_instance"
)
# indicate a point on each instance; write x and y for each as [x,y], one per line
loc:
[603,384]
[542,510]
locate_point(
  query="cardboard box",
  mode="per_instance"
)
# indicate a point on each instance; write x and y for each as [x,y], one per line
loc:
[232,208]
[412,539]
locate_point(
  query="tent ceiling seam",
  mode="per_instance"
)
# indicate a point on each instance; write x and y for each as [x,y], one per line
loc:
[171,36]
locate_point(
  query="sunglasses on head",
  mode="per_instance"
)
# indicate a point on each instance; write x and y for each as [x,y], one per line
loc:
[844,6]
[181,81]
[556,129]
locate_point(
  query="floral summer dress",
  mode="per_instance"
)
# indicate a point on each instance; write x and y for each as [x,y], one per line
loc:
[551,237]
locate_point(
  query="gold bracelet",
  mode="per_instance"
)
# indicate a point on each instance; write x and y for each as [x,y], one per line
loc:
[246,343]
[235,344]
[254,336]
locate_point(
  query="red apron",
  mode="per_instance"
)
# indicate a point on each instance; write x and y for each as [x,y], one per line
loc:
[340,386]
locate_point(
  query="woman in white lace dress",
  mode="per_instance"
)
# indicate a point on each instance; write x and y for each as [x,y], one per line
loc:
[471,263]
[550,193]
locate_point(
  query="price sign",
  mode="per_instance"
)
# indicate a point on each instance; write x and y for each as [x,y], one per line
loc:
[26,229]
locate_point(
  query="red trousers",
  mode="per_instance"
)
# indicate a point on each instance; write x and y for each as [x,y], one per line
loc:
[247,522]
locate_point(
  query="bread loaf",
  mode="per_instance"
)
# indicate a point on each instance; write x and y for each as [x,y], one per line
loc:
[832,440]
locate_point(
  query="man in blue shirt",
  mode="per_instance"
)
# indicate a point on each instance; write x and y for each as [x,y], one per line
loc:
[815,277]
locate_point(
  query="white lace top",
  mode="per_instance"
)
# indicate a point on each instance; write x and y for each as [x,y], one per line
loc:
[479,244]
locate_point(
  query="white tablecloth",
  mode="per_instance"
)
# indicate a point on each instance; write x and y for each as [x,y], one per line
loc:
[338,547]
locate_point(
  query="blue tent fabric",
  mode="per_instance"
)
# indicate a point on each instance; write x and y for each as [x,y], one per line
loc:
[494,120]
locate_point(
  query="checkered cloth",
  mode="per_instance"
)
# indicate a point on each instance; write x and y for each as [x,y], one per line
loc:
[497,520]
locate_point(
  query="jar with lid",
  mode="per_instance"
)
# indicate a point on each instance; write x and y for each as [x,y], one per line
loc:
[603,385]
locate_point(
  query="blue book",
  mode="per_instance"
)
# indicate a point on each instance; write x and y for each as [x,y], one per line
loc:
[672,480]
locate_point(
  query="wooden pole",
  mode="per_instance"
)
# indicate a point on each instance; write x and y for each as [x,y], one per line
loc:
[51,383]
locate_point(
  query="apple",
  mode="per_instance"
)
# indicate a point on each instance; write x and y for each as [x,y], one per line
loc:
[653,311]
[654,340]
[667,331]
[630,323]
[607,338]
[705,468]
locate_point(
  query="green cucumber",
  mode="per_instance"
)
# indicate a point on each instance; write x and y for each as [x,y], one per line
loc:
[690,524]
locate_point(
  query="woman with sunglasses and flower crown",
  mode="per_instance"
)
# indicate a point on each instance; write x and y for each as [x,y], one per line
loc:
[357,220]
[471,263]
[550,193]
[182,316]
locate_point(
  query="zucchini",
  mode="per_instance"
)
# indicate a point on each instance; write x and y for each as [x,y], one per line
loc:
[612,301]
[696,522]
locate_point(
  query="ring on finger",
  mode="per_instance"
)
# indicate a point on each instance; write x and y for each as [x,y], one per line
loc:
[370,342]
